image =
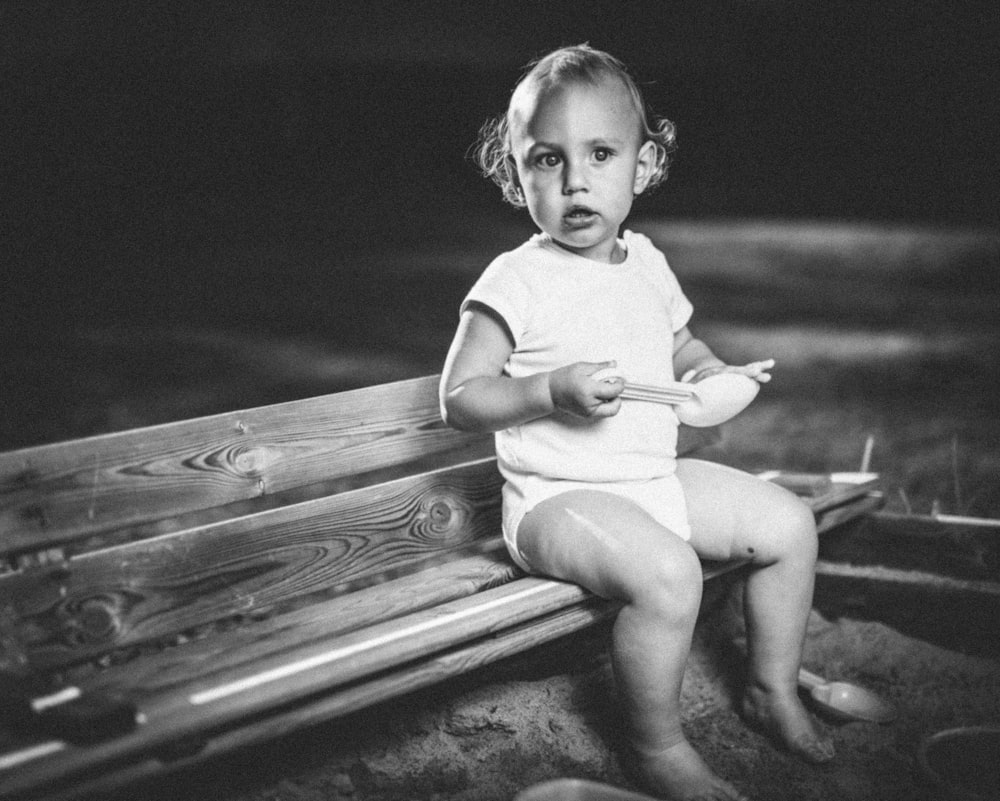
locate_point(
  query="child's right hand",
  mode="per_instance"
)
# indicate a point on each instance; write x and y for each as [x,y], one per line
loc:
[574,391]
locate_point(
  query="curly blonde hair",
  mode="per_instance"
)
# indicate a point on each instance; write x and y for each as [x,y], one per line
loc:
[579,63]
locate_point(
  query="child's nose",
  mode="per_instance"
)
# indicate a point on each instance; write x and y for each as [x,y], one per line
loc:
[574,178]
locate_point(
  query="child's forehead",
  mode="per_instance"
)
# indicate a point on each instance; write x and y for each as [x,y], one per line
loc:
[534,101]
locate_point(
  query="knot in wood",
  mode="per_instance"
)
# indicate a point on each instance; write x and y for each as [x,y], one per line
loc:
[97,619]
[442,515]
[249,461]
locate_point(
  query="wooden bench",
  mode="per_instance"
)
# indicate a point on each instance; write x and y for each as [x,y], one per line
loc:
[214,583]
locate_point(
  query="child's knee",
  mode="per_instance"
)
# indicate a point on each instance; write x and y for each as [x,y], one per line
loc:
[672,580]
[794,529]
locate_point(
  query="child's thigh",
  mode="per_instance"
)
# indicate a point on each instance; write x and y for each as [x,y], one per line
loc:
[735,514]
[605,543]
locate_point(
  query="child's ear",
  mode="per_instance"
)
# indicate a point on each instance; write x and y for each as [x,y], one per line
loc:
[645,167]
[516,190]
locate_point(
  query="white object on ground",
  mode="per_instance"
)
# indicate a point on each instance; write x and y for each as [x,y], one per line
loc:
[846,701]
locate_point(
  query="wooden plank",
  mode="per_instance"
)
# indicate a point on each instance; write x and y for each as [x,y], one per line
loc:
[219,701]
[959,614]
[933,582]
[248,647]
[68,772]
[919,543]
[55,493]
[144,591]
[938,525]
[828,518]
[574,609]
[336,661]
[825,490]
[249,644]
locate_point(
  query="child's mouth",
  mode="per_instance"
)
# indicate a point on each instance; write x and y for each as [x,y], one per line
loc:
[579,214]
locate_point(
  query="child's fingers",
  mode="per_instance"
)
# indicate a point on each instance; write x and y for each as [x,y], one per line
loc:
[759,370]
[609,388]
[607,409]
[604,371]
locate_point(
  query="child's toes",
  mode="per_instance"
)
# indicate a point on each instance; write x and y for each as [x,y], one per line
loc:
[813,749]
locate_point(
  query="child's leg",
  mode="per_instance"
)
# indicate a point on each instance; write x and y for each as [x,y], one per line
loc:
[616,550]
[735,514]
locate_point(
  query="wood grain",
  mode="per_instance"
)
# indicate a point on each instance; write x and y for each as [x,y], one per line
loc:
[250,566]
[56,493]
[73,771]
[249,644]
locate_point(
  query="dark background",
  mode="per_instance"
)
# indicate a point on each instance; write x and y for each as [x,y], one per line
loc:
[231,164]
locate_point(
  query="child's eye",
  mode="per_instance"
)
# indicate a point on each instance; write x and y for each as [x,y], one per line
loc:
[547,160]
[602,154]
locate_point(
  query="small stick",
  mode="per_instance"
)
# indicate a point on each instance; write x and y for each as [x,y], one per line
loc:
[954,472]
[943,519]
[866,458]
[906,501]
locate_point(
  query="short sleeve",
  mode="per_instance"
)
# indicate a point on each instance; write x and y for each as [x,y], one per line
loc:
[681,308]
[659,273]
[502,289]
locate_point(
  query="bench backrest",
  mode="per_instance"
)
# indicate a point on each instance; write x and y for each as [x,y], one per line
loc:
[145,535]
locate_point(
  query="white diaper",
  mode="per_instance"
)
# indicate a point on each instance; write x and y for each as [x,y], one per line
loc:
[662,498]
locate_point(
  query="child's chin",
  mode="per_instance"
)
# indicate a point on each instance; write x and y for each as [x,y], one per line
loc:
[586,243]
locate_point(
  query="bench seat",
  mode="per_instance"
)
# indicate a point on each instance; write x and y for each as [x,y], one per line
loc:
[233,578]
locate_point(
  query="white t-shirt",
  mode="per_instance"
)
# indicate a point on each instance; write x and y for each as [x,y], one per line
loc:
[562,308]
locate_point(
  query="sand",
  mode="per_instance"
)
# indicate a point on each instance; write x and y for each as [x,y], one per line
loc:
[552,714]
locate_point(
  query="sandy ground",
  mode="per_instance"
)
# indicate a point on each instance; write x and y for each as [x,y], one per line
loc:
[552,713]
[879,333]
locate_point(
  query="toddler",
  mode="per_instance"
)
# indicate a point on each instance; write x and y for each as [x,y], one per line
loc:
[594,492]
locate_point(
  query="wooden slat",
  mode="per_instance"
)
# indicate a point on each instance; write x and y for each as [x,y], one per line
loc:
[69,772]
[249,644]
[55,493]
[144,591]
[336,661]
[920,543]
[247,647]
[220,701]
[830,517]
[825,491]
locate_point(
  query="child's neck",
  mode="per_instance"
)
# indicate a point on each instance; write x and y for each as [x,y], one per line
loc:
[616,255]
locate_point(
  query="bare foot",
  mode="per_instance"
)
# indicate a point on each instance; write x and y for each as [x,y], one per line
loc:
[786,720]
[678,773]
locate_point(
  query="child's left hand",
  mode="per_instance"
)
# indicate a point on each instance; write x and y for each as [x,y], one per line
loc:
[759,371]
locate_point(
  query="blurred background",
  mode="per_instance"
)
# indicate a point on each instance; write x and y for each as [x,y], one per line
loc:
[220,205]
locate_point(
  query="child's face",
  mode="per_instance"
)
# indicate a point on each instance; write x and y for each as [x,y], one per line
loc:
[580,162]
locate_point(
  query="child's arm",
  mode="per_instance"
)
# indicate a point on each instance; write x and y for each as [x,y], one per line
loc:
[477,396]
[694,360]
